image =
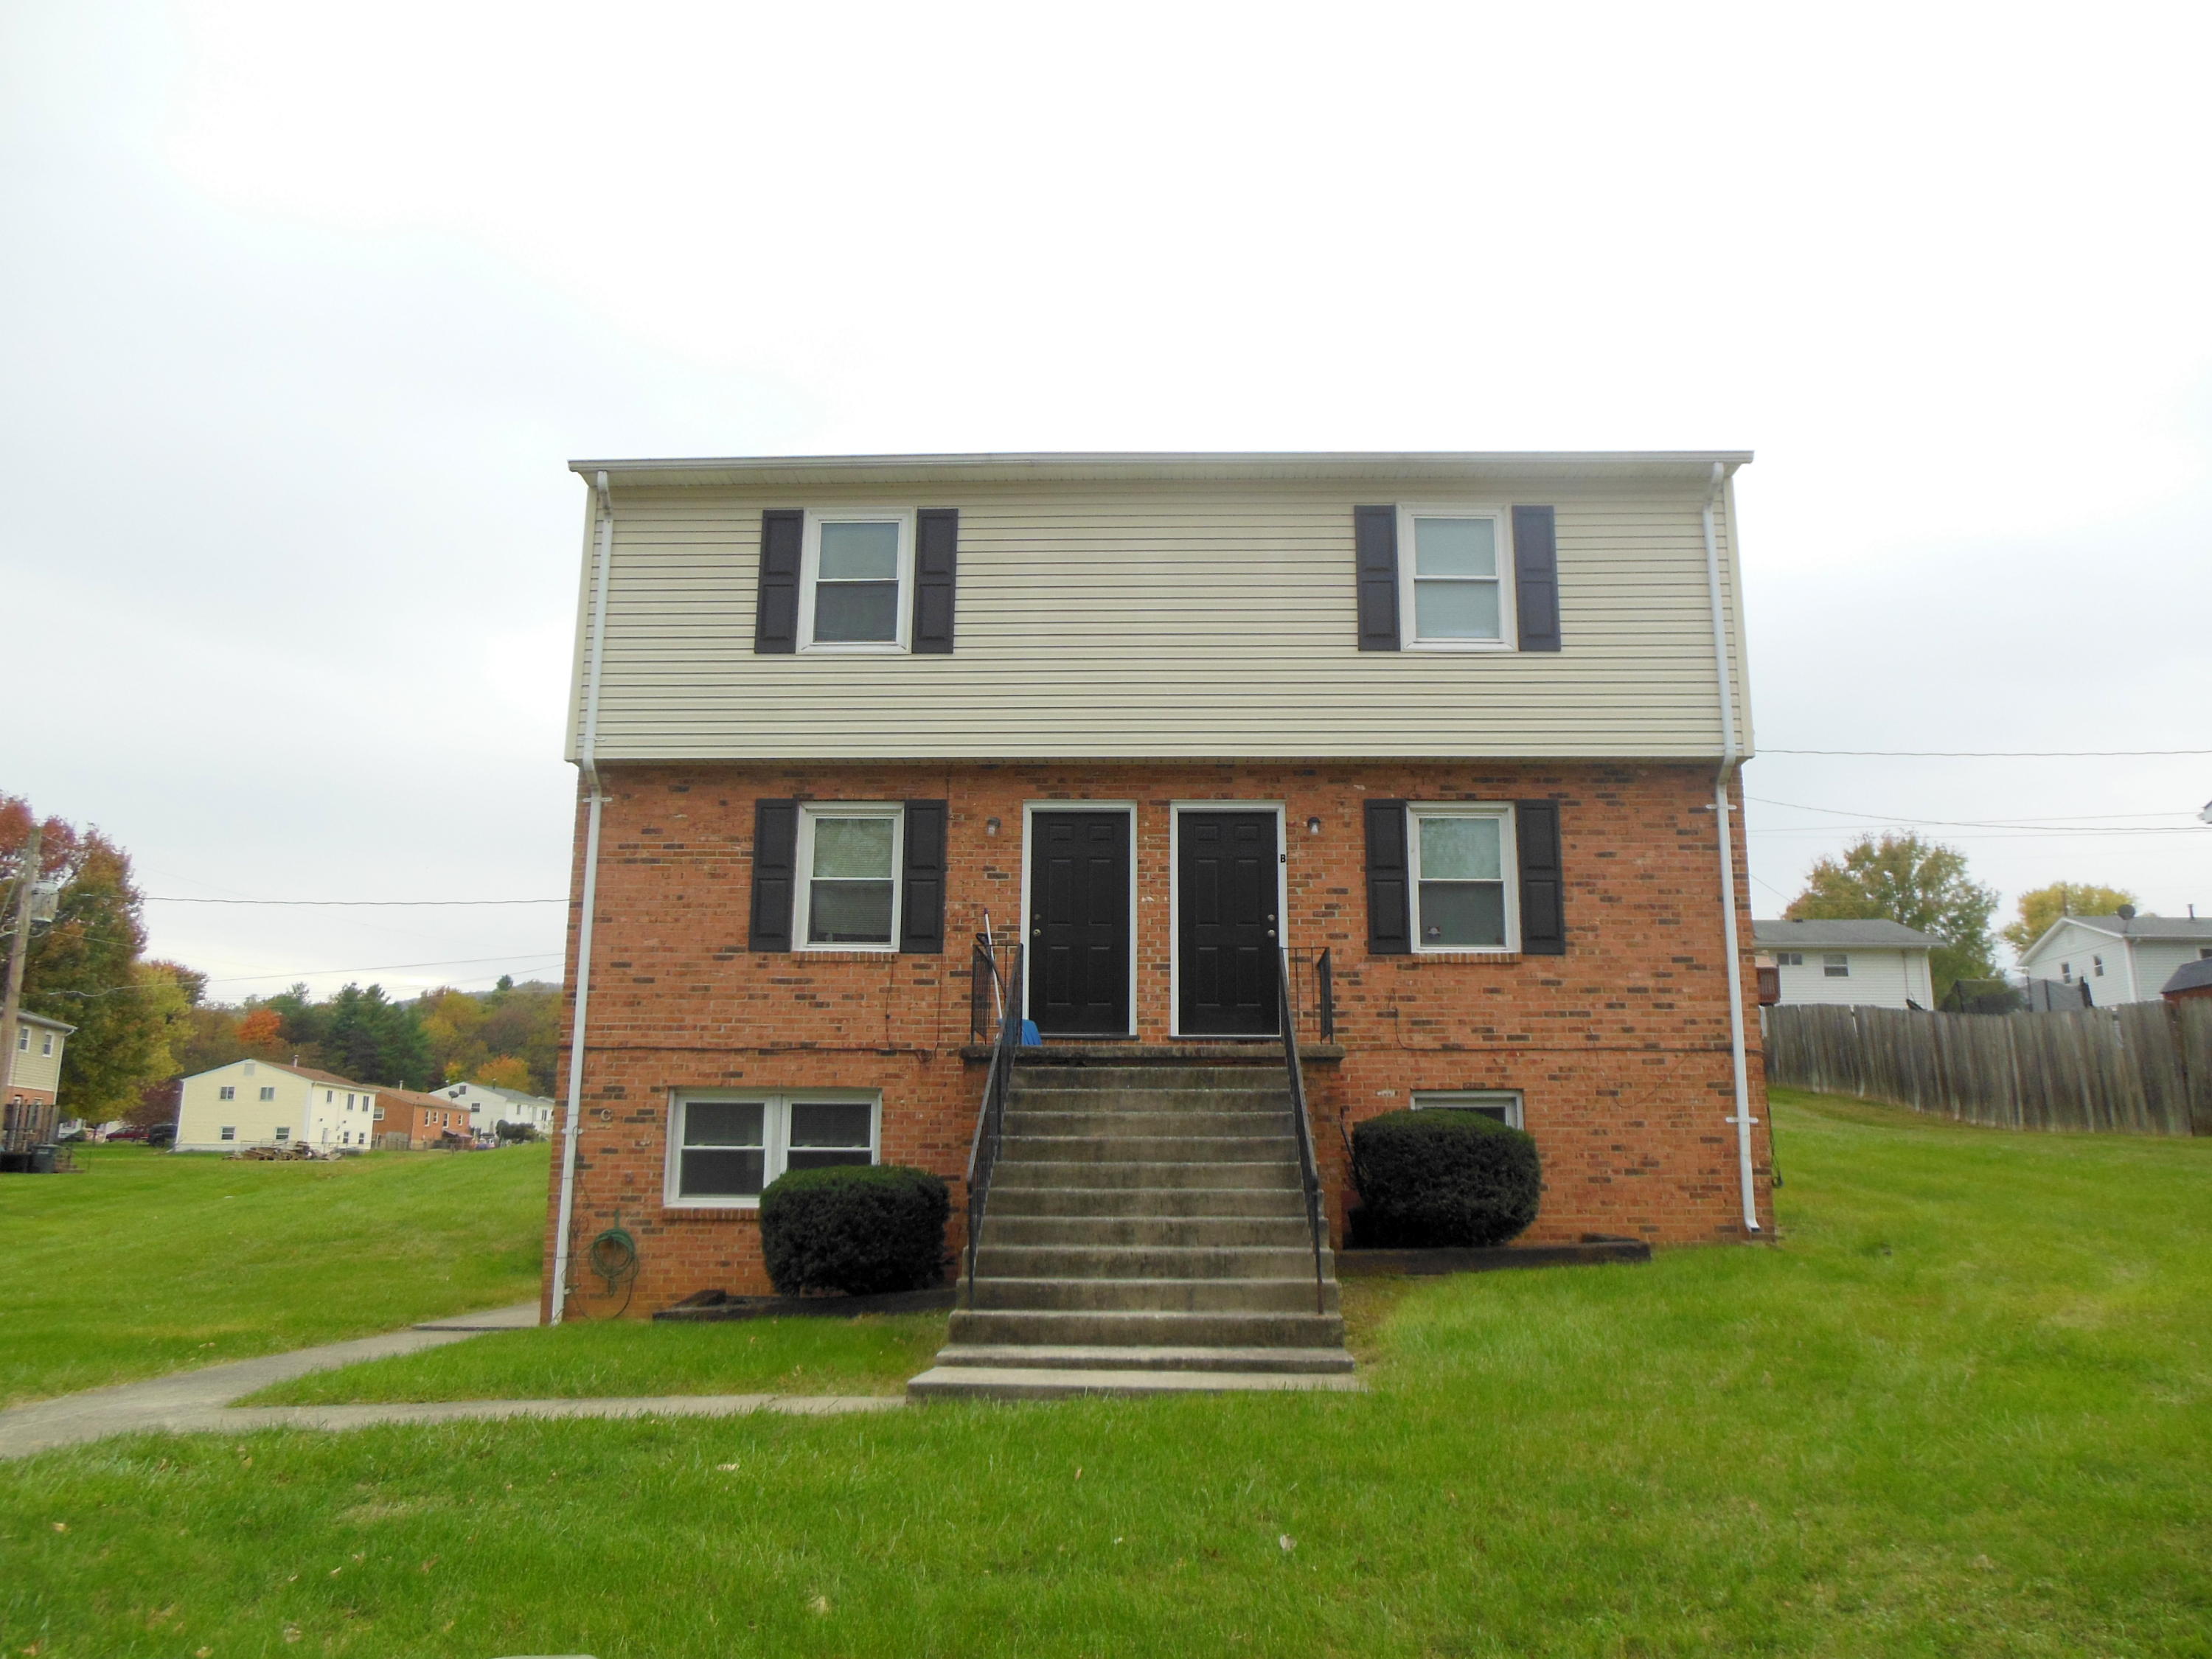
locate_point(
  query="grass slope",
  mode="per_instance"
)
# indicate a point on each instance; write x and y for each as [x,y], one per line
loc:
[873,1354]
[1964,1409]
[149,1262]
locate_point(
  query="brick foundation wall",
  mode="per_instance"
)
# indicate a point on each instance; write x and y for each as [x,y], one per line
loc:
[1619,1047]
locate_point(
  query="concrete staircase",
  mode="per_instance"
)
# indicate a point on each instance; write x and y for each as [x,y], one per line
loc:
[1145,1233]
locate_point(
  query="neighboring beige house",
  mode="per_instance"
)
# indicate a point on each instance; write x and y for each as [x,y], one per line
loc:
[1869,964]
[264,1103]
[27,1111]
[2122,958]
[490,1107]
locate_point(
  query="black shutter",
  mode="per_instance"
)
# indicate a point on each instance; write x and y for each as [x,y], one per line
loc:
[776,873]
[1375,547]
[775,625]
[1543,882]
[1389,901]
[922,928]
[936,558]
[1536,577]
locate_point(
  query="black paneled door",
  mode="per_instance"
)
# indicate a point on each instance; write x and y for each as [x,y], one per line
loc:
[1079,923]
[1227,932]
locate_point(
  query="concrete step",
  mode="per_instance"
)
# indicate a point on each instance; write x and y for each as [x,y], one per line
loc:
[1147,1359]
[998,1260]
[1016,1382]
[1285,1295]
[1147,1148]
[1146,1328]
[1271,1075]
[1149,1175]
[1287,1233]
[1150,1100]
[1022,1121]
[1019,1193]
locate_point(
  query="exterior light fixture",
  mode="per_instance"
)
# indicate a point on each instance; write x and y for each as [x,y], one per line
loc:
[990,826]
[1312,826]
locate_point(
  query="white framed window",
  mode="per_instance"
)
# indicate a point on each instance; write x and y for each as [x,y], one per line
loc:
[724,1148]
[1789,958]
[1835,964]
[329,1094]
[283,1132]
[855,575]
[2066,973]
[2096,967]
[268,1091]
[229,1132]
[1504,1104]
[1460,855]
[850,858]
[46,1043]
[1455,578]
[226,1091]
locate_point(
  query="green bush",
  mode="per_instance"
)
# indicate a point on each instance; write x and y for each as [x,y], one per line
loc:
[1442,1178]
[862,1229]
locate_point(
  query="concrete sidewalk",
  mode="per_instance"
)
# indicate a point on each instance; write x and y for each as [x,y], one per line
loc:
[199,1401]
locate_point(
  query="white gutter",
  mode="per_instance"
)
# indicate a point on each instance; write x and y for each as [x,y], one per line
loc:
[587,762]
[1731,756]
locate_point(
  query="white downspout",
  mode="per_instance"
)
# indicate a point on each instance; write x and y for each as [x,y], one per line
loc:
[587,762]
[1730,756]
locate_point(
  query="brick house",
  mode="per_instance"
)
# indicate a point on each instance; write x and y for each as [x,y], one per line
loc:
[1449,730]
[423,1120]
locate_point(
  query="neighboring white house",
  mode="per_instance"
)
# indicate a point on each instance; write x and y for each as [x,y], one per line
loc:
[490,1107]
[263,1103]
[2121,958]
[1881,964]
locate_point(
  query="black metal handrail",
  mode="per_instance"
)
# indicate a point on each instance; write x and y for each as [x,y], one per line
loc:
[1307,1170]
[991,1117]
[1323,970]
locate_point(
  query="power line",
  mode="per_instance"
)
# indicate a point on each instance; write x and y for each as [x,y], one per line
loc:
[1991,754]
[2052,825]
[164,898]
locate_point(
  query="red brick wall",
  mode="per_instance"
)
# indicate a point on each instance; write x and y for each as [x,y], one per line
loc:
[1620,1046]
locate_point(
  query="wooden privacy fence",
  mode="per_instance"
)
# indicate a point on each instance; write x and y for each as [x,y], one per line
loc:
[2140,1068]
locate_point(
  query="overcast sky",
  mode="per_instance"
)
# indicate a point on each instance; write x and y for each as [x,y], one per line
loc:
[303,308]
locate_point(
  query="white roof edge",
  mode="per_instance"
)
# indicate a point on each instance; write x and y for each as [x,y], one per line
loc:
[52,1024]
[1139,461]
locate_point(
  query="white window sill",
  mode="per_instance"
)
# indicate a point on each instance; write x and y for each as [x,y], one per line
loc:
[855,649]
[1462,647]
[722,1205]
[1467,953]
[859,951]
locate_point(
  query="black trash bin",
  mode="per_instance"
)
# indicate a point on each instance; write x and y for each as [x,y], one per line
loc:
[42,1159]
[15,1163]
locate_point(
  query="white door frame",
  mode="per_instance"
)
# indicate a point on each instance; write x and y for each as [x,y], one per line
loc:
[1176,809]
[1126,809]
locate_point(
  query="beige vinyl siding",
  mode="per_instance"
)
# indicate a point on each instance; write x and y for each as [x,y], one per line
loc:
[1098,619]
[33,1068]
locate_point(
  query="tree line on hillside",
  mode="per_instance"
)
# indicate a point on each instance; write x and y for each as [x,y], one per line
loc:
[142,1023]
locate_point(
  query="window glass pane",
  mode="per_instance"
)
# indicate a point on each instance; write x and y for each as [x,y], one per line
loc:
[822,1123]
[853,847]
[1455,610]
[850,612]
[1455,547]
[860,552]
[848,913]
[721,1173]
[1462,912]
[1459,849]
[824,1160]
[724,1123]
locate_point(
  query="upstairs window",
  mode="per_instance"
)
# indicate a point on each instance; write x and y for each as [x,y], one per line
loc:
[1836,965]
[46,1043]
[227,1091]
[2096,967]
[856,570]
[1456,573]
[849,889]
[1789,958]
[268,1092]
[1462,901]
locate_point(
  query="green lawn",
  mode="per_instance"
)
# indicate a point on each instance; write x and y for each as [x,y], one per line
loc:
[1965,1408]
[150,1262]
[874,1354]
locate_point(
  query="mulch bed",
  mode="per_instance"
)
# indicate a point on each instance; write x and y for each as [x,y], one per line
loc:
[1382,1264]
[709,1305]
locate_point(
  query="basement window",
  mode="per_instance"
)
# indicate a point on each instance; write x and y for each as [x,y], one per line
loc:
[1504,1104]
[724,1149]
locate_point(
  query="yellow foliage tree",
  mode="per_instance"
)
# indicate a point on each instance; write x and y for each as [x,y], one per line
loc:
[504,1071]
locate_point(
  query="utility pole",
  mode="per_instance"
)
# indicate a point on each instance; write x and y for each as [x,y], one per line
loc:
[19,951]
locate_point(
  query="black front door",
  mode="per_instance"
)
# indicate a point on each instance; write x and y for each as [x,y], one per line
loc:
[1079,923]
[1227,932]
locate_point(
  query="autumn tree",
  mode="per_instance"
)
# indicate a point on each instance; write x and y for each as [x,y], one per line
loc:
[261,1029]
[504,1071]
[1921,884]
[83,966]
[2039,906]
